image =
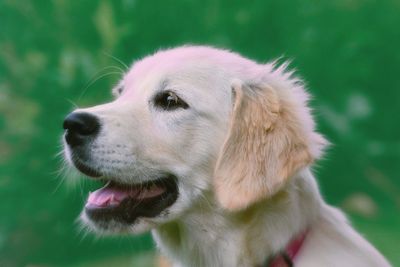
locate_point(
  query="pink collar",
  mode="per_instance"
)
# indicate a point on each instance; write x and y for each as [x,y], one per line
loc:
[286,258]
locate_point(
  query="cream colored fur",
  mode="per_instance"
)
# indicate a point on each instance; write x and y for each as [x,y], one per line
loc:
[242,153]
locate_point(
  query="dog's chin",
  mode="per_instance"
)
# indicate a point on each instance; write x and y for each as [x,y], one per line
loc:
[127,207]
[111,228]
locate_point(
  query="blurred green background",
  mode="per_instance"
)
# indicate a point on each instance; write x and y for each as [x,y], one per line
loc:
[60,53]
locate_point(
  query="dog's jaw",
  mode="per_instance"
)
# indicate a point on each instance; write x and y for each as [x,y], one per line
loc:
[209,236]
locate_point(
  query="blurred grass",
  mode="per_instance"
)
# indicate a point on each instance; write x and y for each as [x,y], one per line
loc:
[57,54]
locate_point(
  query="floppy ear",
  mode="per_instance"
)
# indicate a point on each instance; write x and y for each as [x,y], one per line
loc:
[266,144]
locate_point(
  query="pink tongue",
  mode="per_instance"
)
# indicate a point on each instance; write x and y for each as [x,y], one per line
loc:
[111,195]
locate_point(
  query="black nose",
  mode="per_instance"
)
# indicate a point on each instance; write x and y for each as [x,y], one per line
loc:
[80,128]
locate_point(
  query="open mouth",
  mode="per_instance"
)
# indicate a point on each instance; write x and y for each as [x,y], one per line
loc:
[125,203]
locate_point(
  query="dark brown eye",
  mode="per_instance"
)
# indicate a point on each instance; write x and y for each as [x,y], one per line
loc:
[169,101]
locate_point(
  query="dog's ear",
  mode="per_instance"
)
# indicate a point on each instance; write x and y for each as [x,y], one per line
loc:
[270,137]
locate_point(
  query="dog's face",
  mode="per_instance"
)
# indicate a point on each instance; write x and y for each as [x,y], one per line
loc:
[154,145]
[174,132]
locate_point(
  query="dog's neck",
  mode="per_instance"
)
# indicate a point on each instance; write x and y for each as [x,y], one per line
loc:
[209,236]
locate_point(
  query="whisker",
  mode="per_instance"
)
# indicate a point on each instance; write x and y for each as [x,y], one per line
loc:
[61,181]
[72,103]
[83,230]
[94,79]
[58,154]
[116,59]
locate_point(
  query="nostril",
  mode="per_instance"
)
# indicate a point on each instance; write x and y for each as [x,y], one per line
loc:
[79,126]
[82,123]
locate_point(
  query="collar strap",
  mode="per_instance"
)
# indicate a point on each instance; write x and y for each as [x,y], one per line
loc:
[286,257]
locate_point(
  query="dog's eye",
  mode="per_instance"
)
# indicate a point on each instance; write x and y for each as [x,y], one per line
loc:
[169,101]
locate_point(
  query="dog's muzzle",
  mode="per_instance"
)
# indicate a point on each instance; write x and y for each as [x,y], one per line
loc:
[115,201]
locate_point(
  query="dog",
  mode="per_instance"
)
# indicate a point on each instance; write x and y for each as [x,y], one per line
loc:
[212,152]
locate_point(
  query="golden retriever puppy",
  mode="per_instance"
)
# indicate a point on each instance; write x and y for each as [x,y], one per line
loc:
[212,152]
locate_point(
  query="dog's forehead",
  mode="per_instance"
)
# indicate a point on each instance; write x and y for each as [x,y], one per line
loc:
[182,65]
[161,67]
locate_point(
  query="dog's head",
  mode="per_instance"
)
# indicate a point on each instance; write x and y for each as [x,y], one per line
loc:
[188,122]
